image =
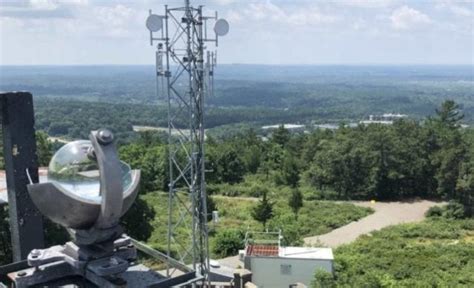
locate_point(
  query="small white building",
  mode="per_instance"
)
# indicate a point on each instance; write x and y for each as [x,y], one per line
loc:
[387,118]
[273,266]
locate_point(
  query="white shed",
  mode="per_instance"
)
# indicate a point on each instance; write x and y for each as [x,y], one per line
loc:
[274,267]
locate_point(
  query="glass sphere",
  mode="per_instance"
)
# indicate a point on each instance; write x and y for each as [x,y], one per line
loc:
[74,168]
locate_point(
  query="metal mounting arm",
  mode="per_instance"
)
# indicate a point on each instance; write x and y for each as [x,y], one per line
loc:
[111,188]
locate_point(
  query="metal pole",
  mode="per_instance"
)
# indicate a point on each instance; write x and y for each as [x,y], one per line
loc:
[170,162]
[204,243]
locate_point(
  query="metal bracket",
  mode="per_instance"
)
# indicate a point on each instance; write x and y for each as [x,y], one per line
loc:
[94,263]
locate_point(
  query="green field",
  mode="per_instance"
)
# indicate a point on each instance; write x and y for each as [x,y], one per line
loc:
[316,217]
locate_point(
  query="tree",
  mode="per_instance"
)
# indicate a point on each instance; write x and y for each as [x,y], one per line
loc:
[137,222]
[465,187]
[230,167]
[281,135]
[291,173]
[152,162]
[228,242]
[264,210]
[296,201]
[43,148]
[449,113]
[451,148]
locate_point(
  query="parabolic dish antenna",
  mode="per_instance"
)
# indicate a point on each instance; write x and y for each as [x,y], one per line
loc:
[221,27]
[154,22]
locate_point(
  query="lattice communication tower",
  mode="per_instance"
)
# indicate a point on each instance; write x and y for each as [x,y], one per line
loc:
[185,78]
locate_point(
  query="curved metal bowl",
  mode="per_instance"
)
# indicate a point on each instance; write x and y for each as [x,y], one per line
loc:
[71,211]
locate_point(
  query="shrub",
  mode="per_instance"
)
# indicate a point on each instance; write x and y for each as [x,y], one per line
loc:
[228,242]
[454,210]
[435,211]
[323,279]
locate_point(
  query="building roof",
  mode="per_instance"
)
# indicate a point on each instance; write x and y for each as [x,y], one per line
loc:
[289,252]
[286,126]
[306,253]
[262,250]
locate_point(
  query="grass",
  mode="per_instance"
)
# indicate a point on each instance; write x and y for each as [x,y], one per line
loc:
[434,253]
[316,217]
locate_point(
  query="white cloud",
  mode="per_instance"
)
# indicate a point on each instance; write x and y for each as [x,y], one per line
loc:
[233,16]
[359,24]
[458,8]
[269,12]
[43,4]
[461,11]
[369,3]
[405,18]
[310,17]
[224,2]
[117,21]
[40,9]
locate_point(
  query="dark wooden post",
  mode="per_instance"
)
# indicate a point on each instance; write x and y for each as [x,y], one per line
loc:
[19,148]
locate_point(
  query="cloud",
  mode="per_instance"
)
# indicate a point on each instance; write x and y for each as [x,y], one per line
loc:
[269,12]
[116,20]
[310,17]
[265,11]
[405,18]
[368,3]
[39,9]
[224,2]
[53,13]
[458,8]
[14,3]
[461,11]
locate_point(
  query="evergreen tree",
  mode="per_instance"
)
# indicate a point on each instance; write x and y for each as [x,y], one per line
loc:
[449,113]
[230,167]
[291,171]
[281,135]
[264,210]
[296,201]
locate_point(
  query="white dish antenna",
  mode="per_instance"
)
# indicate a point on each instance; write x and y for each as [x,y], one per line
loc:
[154,23]
[221,27]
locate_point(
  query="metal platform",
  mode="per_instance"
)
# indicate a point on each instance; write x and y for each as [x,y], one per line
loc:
[136,275]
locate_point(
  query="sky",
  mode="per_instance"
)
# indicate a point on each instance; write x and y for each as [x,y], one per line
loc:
[300,32]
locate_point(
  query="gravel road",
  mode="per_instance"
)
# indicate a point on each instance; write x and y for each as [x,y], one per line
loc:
[386,214]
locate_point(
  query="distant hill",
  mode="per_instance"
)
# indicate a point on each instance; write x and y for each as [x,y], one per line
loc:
[328,92]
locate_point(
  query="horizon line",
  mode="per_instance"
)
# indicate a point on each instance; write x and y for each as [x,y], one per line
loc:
[250,64]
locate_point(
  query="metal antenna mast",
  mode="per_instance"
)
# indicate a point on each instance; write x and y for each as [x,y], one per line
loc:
[185,78]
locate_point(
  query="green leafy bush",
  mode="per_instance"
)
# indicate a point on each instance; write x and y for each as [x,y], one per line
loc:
[435,211]
[323,279]
[454,210]
[228,242]
[438,252]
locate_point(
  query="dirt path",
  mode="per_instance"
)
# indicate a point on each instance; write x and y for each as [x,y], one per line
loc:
[385,214]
